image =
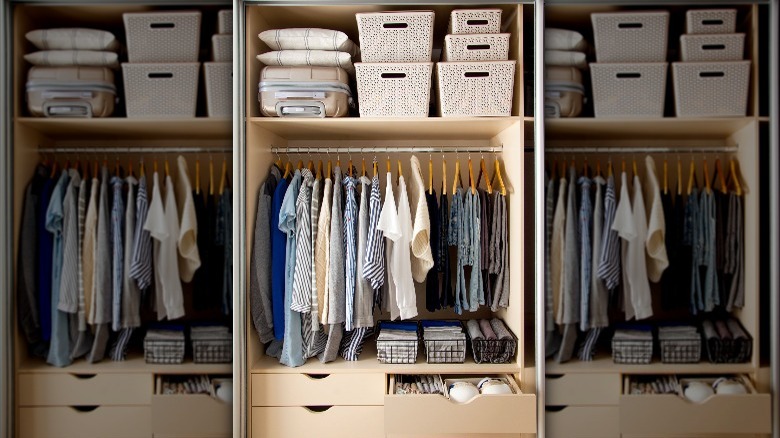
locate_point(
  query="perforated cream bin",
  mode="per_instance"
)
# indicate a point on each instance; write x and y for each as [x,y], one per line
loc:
[711,89]
[475,88]
[161,90]
[629,90]
[394,90]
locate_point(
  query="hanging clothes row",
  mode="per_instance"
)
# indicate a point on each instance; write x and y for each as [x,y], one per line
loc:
[95,242]
[605,243]
[328,251]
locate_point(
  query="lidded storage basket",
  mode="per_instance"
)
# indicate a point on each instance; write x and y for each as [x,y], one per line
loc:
[482,47]
[476,88]
[630,36]
[629,90]
[161,90]
[711,89]
[163,36]
[474,21]
[394,89]
[396,36]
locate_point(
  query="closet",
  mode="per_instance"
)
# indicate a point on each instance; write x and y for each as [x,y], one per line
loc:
[356,398]
[593,398]
[109,398]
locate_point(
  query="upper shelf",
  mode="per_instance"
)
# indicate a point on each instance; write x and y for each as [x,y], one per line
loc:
[115,128]
[670,128]
[359,128]
[133,364]
[604,364]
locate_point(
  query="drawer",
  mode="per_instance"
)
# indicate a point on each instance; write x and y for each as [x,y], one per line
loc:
[325,422]
[65,389]
[435,414]
[318,389]
[85,422]
[583,422]
[194,415]
[671,414]
[582,389]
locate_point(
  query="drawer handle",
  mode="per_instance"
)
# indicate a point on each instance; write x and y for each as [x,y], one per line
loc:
[84,408]
[553,376]
[317,376]
[317,409]
[555,408]
[395,25]
[628,75]
[84,376]
[162,25]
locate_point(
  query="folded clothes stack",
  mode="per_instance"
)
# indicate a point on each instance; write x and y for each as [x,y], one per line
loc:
[397,342]
[210,332]
[677,332]
[445,341]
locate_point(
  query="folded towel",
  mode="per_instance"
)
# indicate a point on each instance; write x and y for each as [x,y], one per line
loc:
[709,330]
[474,332]
[500,329]
[723,330]
[487,330]
[736,329]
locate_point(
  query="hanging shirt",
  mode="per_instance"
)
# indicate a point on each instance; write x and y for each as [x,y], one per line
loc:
[117,253]
[187,240]
[59,350]
[89,249]
[406,296]
[422,258]
[599,294]
[260,261]
[225,243]
[292,348]
[45,243]
[322,253]
[314,217]
[657,260]
[692,239]
[141,267]
[432,301]
[337,298]
[499,266]
[374,265]
[83,339]
[103,264]
[556,250]
[364,293]
[69,284]
[471,231]
[586,251]
[301,292]
[278,258]
[350,250]
[609,264]
[216,224]
[734,263]
[131,295]
[201,288]
[390,226]
[707,262]
[454,239]
[446,297]
[485,231]
[552,337]
[571,268]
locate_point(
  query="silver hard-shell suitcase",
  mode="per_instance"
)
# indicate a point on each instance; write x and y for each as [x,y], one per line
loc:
[71,91]
[304,92]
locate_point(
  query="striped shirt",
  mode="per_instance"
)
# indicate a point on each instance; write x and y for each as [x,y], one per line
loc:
[68,286]
[316,191]
[119,348]
[141,268]
[82,212]
[352,344]
[374,264]
[301,291]
[609,265]
[350,249]
[117,228]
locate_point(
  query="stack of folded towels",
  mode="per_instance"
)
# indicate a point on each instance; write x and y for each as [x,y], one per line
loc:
[73,47]
[488,330]
[397,342]
[309,47]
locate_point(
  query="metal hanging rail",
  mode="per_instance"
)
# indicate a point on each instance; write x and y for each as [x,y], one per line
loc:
[135,150]
[650,150]
[388,149]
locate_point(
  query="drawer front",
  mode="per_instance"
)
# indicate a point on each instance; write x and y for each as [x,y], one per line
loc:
[583,422]
[582,389]
[196,415]
[100,422]
[332,422]
[318,390]
[666,415]
[67,389]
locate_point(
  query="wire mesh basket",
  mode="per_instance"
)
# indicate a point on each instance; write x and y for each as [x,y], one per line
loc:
[494,350]
[450,348]
[397,351]
[632,351]
[164,351]
[734,350]
[680,350]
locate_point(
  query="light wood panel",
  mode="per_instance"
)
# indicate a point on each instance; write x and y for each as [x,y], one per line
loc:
[345,389]
[84,389]
[111,129]
[133,364]
[103,422]
[583,422]
[582,389]
[602,363]
[192,415]
[334,422]
[578,131]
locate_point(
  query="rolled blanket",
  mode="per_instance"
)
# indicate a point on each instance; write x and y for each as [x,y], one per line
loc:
[709,330]
[500,329]
[736,329]
[487,330]
[723,330]
[474,332]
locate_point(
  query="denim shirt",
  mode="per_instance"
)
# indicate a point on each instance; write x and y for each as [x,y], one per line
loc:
[59,350]
[292,349]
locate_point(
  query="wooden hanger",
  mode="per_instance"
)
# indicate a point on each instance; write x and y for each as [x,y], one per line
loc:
[319,169]
[167,168]
[95,169]
[330,170]
[363,167]
[679,177]
[197,176]
[310,166]
[278,162]
[666,177]
[692,177]
[130,167]
[53,170]
[211,175]
[116,167]
[223,178]
[721,177]
[141,170]
[598,167]
[287,169]
[609,168]
[400,170]
[483,169]
[155,165]
[430,175]
[389,169]
[624,166]
[735,176]
[349,167]
[375,165]
[300,164]
[585,167]
[633,163]
[707,177]
[472,181]
[443,176]
[457,177]
[500,178]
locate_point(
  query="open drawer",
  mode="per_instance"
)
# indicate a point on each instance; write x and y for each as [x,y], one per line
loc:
[196,414]
[671,414]
[407,414]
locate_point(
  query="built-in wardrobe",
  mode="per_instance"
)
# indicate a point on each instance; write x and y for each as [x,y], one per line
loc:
[109,398]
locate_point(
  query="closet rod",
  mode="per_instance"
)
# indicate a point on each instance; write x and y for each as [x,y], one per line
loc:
[388,149]
[135,150]
[651,150]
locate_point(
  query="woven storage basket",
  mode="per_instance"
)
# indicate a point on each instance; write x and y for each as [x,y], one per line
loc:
[629,90]
[212,350]
[161,90]
[711,89]
[225,21]
[168,351]
[704,21]
[163,36]
[475,88]
[396,36]
[484,47]
[222,48]
[471,21]
[394,90]
[494,350]
[708,48]
[219,88]
[632,351]
[630,37]
[680,350]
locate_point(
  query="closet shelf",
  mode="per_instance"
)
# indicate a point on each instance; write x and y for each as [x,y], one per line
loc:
[116,128]
[369,364]
[361,128]
[603,364]
[134,364]
[670,128]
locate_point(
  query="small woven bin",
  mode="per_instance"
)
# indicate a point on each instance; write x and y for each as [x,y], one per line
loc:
[394,90]
[164,351]
[476,88]
[494,350]
[396,36]
[632,351]
[472,21]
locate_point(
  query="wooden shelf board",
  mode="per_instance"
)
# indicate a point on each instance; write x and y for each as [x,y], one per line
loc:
[369,364]
[200,128]
[134,364]
[665,128]
[603,364]
[763,119]
[357,128]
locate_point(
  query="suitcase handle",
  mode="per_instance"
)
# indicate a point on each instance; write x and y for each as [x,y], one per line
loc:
[67,109]
[300,94]
[53,95]
[300,109]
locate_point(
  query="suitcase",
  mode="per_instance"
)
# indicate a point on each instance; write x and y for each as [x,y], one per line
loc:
[304,92]
[71,91]
[564,93]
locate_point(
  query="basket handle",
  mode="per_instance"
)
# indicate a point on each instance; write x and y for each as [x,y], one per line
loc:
[478,46]
[477,22]
[711,22]
[393,75]
[630,25]
[395,25]
[162,25]
[711,74]
[159,75]
[476,74]
[628,75]
[708,47]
